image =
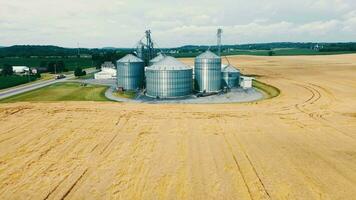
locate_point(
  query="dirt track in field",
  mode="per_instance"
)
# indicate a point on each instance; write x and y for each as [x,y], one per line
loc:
[300,145]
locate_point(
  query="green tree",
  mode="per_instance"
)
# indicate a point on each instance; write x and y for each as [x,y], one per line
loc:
[60,66]
[79,72]
[44,64]
[7,70]
[271,53]
[52,67]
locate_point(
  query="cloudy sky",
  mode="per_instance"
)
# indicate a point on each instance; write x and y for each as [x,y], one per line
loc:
[121,23]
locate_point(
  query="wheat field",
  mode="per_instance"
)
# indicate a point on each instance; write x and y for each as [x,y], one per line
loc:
[299,145]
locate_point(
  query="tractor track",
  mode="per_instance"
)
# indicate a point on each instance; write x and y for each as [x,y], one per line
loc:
[315,115]
[93,151]
[262,185]
[74,184]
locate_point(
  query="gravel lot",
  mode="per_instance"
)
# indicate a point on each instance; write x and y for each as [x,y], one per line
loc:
[236,95]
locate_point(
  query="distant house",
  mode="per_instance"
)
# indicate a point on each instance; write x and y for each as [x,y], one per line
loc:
[108,71]
[20,69]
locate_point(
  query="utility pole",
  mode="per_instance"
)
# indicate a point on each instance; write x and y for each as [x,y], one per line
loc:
[28,75]
[219,35]
[78,50]
[78,54]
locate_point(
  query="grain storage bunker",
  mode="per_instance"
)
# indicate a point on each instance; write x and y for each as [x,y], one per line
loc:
[230,76]
[156,59]
[168,78]
[207,72]
[130,72]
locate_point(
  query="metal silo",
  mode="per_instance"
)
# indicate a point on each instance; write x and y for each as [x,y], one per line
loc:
[168,78]
[207,72]
[156,59]
[130,72]
[230,76]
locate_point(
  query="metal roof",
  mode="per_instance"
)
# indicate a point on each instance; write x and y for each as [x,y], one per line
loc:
[129,58]
[169,63]
[157,58]
[229,68]
[20,66]
[207,54]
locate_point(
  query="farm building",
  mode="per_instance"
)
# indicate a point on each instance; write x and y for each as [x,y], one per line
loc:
[108,71]
[165,77]
[20,69]
[246,82]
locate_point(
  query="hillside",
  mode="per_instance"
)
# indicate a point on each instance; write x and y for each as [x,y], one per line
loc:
[244,49]
[34,50]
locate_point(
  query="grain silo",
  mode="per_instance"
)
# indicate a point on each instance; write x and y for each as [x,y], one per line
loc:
[156,59]
[230,76]
[168,78]
[130,72]
[207,72]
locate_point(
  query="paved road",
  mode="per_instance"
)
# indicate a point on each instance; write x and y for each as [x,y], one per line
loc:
[26,88]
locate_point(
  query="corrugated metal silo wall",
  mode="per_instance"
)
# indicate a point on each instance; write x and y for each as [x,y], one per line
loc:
[207,75]
[168,83]
[130,76]
[230,79]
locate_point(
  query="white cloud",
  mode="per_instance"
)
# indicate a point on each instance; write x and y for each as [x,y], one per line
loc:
[97,23]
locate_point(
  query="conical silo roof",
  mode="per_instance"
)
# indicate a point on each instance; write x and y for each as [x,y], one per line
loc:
[208,55]
[158,58]
[229,68]
[169,63]
[129,58]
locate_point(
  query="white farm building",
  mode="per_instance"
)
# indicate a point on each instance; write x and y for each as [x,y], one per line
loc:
[246,82]
[108,71]
[20,69]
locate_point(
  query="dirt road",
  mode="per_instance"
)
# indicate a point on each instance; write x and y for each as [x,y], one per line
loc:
[300,145]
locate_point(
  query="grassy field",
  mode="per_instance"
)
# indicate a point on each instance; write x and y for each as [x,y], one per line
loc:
[47,76]
[14,80]
[70,63]
[61,92]
[44,77]
[268,90]
[87,76]
[125,94]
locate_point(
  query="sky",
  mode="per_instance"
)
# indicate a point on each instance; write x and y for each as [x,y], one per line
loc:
[122,23]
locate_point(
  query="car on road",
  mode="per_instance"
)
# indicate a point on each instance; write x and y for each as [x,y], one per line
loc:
[60,76]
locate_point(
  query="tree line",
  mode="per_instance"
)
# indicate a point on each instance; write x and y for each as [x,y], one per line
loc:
[53,66]
[338,47]
[46,51]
